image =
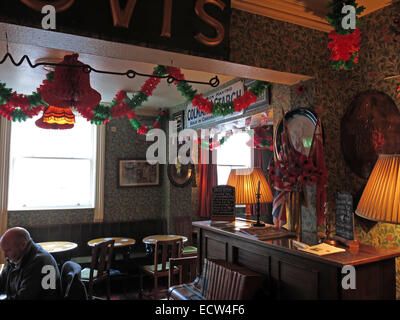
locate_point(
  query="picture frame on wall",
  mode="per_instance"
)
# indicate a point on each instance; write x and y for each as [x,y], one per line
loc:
[179,117]
[137,173]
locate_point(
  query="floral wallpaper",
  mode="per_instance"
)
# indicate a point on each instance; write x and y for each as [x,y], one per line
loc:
[285,47]
[266,43]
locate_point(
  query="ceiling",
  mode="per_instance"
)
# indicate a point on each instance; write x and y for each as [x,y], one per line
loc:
[117,57]
[25,79]
[107,56]
[306,13]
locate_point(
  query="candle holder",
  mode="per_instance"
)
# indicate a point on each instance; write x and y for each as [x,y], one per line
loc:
[258,223]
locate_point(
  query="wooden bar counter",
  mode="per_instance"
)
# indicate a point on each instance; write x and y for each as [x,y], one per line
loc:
[295,274]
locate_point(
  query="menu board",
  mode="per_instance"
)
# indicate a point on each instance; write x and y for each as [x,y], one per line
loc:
[223,203]
[344,215]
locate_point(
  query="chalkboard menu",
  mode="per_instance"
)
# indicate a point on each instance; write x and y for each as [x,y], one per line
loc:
[344,215]
[223,203]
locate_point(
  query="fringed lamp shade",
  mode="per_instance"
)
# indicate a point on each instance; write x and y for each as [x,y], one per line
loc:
[246,183]
[380,200]
[56,118]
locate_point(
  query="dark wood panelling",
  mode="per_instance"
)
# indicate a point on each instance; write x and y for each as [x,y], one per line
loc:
[292,274]
[253,261]
[215,249]
[373,280]
[297,282]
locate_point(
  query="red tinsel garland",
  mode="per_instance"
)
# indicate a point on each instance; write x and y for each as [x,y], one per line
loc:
[203,104]
[244,101]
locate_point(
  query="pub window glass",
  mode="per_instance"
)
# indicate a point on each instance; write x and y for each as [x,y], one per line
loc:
[233,154]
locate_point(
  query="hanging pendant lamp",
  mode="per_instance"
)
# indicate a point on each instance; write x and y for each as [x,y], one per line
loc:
[56,118]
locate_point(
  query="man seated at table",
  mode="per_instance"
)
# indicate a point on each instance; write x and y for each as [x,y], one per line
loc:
[31,273]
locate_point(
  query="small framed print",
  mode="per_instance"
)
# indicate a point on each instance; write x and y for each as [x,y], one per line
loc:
[179,117]
[137,173]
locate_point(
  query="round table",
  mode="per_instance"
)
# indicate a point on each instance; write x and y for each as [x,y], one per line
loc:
[151,240]
[160,237]
[118,241]
[59,250]
[57,246]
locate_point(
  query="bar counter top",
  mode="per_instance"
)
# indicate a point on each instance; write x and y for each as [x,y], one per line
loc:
[282,240]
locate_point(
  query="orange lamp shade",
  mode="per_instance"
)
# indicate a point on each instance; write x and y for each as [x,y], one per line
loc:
[58,115]
[56,118]
[247,183]
[380,200]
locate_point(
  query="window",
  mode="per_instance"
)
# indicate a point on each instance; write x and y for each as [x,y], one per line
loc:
[52,169]
[233,154]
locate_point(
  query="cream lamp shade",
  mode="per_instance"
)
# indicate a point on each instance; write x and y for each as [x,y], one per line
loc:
[247,183]
[380,200]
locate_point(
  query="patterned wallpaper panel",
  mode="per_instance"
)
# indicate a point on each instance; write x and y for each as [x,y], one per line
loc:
[129,203]
[305,51]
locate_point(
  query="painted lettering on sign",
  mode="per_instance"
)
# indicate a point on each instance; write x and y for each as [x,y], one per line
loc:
[195,118]
[122,17]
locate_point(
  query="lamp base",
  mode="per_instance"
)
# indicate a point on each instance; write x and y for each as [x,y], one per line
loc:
[258,224]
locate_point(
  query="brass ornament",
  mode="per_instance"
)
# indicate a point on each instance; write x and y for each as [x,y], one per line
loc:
[199,9]
[122,18]
[59,5]
[166,27]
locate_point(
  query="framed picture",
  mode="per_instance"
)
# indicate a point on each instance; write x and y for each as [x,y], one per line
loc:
[179,117]
[137,173]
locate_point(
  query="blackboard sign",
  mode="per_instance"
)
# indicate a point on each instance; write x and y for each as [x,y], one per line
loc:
[223,203]
[344,216]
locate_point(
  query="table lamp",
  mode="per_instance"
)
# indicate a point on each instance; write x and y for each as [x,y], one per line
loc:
[250,187]
[380,200]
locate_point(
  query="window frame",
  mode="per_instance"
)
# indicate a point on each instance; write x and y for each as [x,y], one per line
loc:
[98,183]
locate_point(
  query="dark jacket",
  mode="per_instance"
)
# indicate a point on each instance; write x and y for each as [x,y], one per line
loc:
[72,286]
[30,280]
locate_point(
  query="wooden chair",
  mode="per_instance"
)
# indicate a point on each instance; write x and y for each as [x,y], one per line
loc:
[219,280]
[163,251]
[187,270]
[99,270]
[182,225]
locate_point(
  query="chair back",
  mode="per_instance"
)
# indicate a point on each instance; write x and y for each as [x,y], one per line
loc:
[71,284]
[187,270]
[163,250]
[101,260]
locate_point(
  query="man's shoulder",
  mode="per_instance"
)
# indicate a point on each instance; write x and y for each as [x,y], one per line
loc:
[40,256]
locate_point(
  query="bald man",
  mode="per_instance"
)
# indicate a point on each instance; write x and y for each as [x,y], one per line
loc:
[31,273]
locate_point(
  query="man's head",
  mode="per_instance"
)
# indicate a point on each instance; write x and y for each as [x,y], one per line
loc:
[14,242]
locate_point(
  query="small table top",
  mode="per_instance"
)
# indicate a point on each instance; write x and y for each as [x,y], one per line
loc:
[118,241]
[160,237]
[57,246]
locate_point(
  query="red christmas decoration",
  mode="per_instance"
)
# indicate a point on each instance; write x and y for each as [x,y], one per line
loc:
[343,47]
[203,104]
[71,86]
[300,89]
[244,101]
[143,130]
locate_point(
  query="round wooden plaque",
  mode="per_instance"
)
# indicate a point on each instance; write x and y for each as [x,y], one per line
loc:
[370,126]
